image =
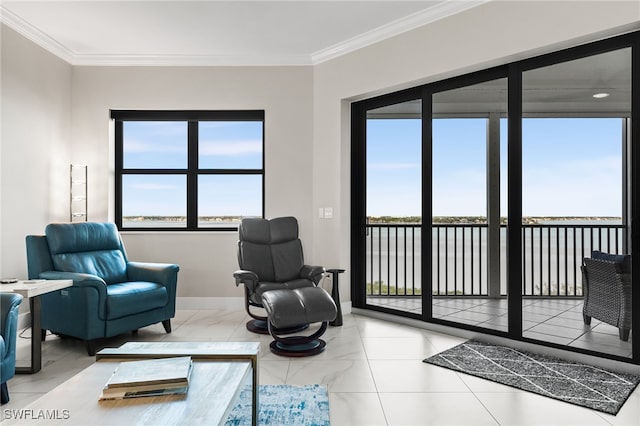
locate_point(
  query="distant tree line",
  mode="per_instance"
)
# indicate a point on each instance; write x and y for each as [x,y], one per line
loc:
[474,219]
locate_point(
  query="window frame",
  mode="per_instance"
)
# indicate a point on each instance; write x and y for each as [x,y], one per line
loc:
[192,172]
[514,72]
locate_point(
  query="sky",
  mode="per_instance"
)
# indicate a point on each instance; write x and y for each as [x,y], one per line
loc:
[571,167]
[222,145]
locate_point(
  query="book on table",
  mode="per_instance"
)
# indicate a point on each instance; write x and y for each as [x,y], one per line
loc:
[153,377]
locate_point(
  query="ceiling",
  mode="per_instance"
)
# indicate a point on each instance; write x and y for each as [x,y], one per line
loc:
[566,88]
[212,32]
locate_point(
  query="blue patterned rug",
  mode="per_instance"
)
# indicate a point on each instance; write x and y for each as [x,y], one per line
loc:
[568,381]
[284,405]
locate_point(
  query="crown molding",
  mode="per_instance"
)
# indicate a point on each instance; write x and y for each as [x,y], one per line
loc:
[43,40]
[432,14]
[399,26]
[32,33]
[191,60]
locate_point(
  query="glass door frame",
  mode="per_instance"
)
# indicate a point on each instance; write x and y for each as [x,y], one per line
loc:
[513,72]
[492,74]
[359,188]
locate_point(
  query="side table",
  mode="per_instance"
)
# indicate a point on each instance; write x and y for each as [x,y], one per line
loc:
[335,294]
[32,290]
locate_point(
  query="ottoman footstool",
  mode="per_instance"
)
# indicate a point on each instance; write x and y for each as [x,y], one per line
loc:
[291,308]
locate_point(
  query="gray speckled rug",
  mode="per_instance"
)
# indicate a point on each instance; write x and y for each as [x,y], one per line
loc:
[573,382]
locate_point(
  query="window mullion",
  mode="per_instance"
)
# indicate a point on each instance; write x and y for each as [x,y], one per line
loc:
[119,160]
[192,176]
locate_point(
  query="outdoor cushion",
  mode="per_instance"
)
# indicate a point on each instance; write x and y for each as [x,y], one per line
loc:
[622,261]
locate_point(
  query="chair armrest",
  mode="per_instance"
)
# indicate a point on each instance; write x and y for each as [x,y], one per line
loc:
[165,274]
[81,292]
[79,279]
[9,329]
[160,273]
[248,278]
[313,273]
[8,323]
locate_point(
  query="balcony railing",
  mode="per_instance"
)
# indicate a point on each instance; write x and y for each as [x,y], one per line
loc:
[551,258]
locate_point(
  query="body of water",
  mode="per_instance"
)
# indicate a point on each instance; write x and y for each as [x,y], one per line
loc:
[552,255]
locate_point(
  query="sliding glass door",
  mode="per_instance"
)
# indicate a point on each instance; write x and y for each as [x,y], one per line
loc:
[503,201]
[468,140]
[575,133]
[393,206]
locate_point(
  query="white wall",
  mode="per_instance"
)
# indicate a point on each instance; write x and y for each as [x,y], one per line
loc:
[207,259]
[307,125]
[494,33]
[35,150]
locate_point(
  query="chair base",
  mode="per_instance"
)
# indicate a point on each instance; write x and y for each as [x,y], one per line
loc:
[261,327]
[624,334]
[4,393]
[313,347]
[90,345]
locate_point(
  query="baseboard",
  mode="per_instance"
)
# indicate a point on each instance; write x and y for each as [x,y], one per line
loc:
[205,303]
[24,320]
[191,303]
[210,303]
[346,307]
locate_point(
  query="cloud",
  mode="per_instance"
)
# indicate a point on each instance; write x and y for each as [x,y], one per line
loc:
[230,147]
[132,145]
[392,166]
[153,186]
[154,136]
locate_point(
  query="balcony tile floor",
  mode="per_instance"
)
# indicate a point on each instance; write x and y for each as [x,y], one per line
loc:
[558,321]
[373,370]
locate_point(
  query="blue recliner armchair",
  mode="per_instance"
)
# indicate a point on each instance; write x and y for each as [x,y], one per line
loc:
[8,331]
[110,295]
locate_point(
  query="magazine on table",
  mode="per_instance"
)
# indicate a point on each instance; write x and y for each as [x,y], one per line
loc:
[152,377]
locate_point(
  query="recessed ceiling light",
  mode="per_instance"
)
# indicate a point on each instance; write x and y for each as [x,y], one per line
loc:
[600,95]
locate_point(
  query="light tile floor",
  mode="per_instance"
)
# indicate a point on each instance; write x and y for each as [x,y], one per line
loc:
[551,320]
[373,370]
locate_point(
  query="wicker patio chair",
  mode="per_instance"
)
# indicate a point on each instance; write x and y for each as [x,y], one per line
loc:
[607,294]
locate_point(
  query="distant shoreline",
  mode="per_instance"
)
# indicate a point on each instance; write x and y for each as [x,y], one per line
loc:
[529,220]
[223,219]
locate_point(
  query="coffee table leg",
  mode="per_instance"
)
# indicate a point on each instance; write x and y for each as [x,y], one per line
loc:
[36,338]
[255,406]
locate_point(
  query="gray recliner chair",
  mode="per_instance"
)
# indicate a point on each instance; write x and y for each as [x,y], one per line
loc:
[270,258]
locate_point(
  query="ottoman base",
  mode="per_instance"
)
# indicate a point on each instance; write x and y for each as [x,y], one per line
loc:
[298,346]
[312,348]
[260,327]
[286,308]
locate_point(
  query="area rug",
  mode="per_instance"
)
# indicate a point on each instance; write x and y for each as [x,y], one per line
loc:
[568,381]
[284,405]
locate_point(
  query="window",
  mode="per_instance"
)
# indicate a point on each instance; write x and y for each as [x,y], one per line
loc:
[188,170]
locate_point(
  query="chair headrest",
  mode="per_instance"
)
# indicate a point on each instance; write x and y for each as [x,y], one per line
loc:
[82,237]
[263,231]
[254,230]
[283,229]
